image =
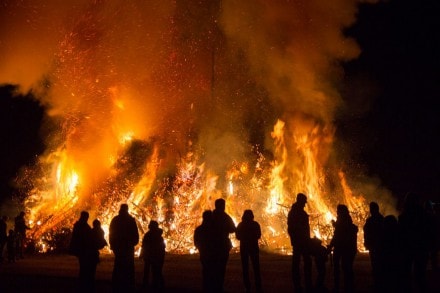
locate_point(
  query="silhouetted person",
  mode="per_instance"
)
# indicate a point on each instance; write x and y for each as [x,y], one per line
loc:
[248,233]
[434,244]
[344,244]
[390,254]
[3,235]
[373,232]
[123,238]
[414,231]
[20,234]
[11,246]
[204,241]
[223,225]
[153,254]
[298,228]
[82,246]
[320,255]
[98,235]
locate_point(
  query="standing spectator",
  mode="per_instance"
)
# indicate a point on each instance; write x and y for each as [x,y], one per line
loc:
[82,246]
[298,228]
[373,232]
[414,231]
[434,243]
[153,254]
[11,246]
[3,235]
[98,235]
[223,225]
[344,242]
[390,254]
[248,232]
[124,236]
[203,240]
[20,234]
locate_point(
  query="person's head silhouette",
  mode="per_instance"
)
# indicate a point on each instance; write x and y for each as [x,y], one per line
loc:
[248,216]
[96,223]
[220,204]
[84,216]
[207,216]
[123,210]
[301,199]
[374,208]
[153,225]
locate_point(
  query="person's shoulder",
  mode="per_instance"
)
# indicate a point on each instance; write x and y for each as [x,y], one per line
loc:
[114,219]
[226,216]
[133,221]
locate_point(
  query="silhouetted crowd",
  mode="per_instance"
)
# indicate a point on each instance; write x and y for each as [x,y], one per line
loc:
[13,239]
[400,248]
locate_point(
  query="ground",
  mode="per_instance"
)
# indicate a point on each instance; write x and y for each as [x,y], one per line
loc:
[57,273]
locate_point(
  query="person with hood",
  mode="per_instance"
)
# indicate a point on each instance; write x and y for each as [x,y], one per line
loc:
[98,235]
[82,246]
[153,254]
[344,245]
[248,233]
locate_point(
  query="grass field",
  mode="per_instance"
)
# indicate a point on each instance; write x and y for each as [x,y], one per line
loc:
[58,273]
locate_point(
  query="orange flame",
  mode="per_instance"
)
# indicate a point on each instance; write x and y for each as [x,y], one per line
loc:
[169,105]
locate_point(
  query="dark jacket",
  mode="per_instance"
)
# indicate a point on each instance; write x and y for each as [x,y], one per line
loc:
[203,240]
[81,243]
[223,226]
[20,225]
[298,227]
[3,231]
[373,232]
[153,246]
[98,238]
[248,232]
[124,234]
[345,237]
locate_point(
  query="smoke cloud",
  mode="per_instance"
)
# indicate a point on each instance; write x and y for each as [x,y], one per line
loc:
[210,76]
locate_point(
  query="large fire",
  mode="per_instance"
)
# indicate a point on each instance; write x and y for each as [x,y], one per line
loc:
[169,105]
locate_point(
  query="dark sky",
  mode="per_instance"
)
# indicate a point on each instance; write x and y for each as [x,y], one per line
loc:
[392,91]
[20,119]
[400,60]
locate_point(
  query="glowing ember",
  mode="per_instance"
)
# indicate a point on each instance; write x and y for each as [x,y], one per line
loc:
[169,105]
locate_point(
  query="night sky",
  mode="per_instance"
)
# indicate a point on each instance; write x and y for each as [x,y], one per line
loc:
[397,138]
[390,122]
